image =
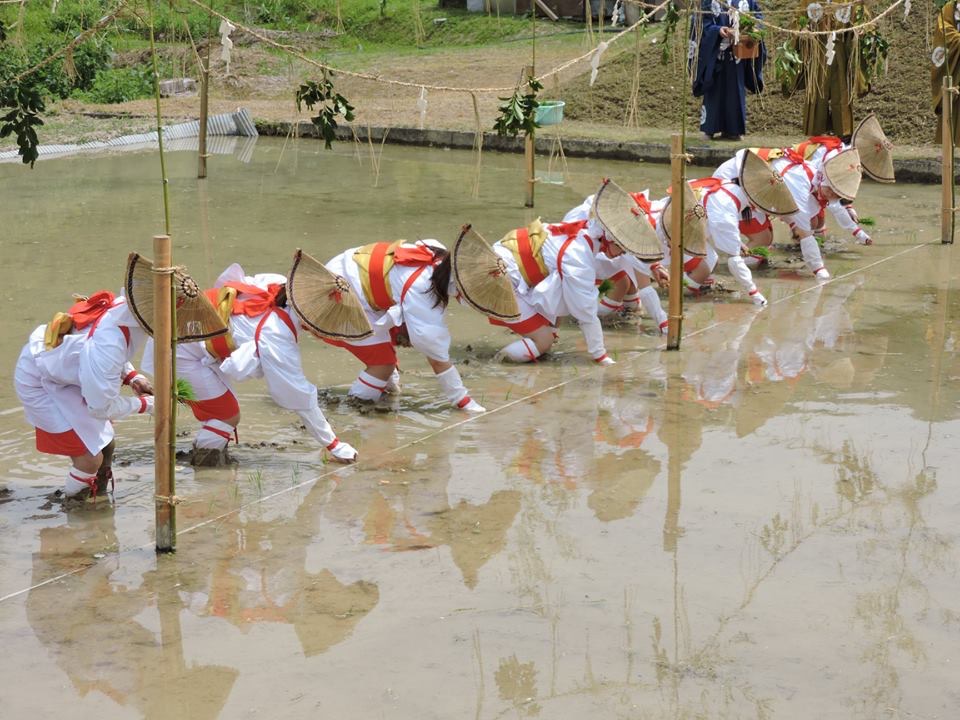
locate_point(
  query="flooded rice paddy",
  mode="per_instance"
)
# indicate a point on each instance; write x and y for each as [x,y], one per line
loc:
[763,525]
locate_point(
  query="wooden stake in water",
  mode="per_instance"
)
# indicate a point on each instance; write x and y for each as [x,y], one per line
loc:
[204,94]
[529,155]
[676,242]
[947,212]
[163,409]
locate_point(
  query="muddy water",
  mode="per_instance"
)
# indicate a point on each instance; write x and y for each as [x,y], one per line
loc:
[762,525]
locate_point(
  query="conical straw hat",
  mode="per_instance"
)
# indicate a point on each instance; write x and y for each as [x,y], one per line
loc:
[624,223]
[197,319]
[481,277]
[694,222]
[876,152]
[764,186]
[325,302]
[843,171]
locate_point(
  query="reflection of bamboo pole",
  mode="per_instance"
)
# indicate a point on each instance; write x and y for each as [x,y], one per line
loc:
[528,153]
[163,402]
[676,243]
[946,175]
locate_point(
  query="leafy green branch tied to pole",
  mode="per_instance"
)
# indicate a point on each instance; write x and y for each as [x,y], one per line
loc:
[518,112]
[331,106]
[23,104]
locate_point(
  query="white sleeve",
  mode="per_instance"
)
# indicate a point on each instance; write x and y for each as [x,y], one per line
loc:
[102,360]
[842,216]
[243,363]
[283,372]
[426,324]
[580,295]
[723,223]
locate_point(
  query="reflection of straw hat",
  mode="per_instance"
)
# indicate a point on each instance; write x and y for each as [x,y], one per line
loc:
[876,152]
[325,302]
[843,172]
[624,223]
[694,222]
[196,317]
[481,277]
[764,186]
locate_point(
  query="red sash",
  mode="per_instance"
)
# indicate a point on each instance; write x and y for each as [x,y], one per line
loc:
[525,251]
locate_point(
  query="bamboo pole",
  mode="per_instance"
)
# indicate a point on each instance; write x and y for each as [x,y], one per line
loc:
[947,212]
[528,153]
[204,113]
[163,337]
[676,243]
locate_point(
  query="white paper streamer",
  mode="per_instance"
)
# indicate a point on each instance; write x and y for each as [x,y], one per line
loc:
[939,56]
[617,11]
[715,7]
[226,44]
[744,6]
[906,8]
[422,106]
[831,41]
[595,61]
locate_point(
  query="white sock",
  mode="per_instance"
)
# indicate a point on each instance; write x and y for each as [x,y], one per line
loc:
[367,387]
[811,253]
[453,387]
[652,306]
[77,481]
[606,306]
[523,350]
[393,384]
[214,435]
[631,301]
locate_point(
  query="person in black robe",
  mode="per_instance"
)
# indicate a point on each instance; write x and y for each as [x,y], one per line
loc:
[720,78]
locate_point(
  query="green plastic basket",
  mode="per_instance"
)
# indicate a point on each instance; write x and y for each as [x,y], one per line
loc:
[549,112]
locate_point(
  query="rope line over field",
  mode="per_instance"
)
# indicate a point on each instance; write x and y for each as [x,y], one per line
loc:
[370,77]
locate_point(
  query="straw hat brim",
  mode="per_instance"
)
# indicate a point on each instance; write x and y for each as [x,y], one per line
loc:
[481,277]
[876,151]
[625,224]
[197,319]
[694,222]
[843,171]
[765,187]
[325,302]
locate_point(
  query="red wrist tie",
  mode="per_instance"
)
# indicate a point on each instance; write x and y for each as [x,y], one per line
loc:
[128,378]
[463,403]
[334,444]
[143,404]
[754,291]
[601,358]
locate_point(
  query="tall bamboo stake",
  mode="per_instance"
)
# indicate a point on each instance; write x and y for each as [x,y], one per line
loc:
[528,153]
[676,243]
[204,94]
[165,343]
[163,404]
[947,213]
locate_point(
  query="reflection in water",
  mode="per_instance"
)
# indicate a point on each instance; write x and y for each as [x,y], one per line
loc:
[99,640]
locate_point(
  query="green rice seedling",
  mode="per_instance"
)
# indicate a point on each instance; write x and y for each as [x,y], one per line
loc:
[185,391]
[868,221]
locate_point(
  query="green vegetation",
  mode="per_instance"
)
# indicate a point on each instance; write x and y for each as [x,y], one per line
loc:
[117,85]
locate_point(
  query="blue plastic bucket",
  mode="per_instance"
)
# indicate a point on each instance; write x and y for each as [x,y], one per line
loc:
[549,112]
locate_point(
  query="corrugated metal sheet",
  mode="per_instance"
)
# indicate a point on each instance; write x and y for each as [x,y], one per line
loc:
[219,128]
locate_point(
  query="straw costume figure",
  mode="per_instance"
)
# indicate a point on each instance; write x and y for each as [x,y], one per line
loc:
[946,61]
[70,373]
[832,74]
[403,288]
[552,269]
[720,77]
